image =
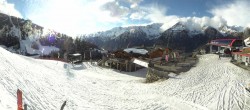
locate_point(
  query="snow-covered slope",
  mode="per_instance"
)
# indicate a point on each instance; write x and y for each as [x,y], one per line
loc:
[176,36]
[28,40]
[195,28]
[155,29]
[212,84]
[26,46]
[152,30]
[124,37]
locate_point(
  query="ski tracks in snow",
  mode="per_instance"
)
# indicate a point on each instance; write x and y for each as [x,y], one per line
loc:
[215,85]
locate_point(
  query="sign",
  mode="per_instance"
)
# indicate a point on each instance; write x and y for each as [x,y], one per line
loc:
[140,62]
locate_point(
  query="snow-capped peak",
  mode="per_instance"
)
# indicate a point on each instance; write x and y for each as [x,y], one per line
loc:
[230,29]
[179,27]
[150,30]
[194,28]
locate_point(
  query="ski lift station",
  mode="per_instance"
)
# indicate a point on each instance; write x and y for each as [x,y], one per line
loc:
[221,44]
[235,47]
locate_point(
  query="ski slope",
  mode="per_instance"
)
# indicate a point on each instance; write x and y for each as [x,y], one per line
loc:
[212,84]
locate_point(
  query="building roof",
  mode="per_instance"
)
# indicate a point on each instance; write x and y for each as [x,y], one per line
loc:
[135,50]
[226,42]
[75,54]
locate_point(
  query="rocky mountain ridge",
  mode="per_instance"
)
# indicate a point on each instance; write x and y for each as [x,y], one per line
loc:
[179,36]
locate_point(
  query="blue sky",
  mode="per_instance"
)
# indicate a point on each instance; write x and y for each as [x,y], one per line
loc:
[186,8]
[87,16]
[182,8]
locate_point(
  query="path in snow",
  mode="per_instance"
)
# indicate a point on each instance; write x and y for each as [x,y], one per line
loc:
[212,84]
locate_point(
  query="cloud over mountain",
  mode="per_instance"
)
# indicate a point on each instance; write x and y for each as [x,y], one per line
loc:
[88,16]
[235,13]
[115,9]
[9,9]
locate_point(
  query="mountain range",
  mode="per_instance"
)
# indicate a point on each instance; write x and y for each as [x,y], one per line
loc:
[179,36]
[182,36]
[27,38]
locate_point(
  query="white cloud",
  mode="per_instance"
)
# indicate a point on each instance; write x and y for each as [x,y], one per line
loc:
[196,23]
[158,15]
[9,9]
[73,17]
[83,16]
[138,15]
[134,3]
[115,9]
[88,16]
[236,13]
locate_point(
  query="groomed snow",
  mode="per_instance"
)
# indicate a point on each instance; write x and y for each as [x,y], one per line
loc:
[212,84]
[43,50]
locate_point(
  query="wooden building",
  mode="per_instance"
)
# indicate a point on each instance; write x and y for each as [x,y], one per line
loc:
[242,56]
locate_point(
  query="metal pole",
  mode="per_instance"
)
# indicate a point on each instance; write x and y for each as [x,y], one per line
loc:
[211,48]
[84,56]
[135,67]
[90,55]
[126,66]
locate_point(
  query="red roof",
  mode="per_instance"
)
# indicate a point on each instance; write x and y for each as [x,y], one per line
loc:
[242,54]
[223,42]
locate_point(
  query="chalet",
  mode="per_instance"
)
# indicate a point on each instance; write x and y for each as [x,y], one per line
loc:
[242,56]
[124,60]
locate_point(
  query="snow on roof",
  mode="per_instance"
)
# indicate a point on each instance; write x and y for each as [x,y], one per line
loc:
[135,50]
[212,84]
[75,54]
